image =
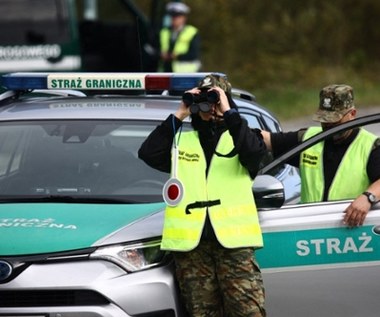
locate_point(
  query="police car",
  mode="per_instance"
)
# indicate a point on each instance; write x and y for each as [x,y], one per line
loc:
[81,216]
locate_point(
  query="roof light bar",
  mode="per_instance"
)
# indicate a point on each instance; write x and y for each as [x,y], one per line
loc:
[102,81]
[24,81]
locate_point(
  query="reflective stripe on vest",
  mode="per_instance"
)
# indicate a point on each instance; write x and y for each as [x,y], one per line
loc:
[181,46]
[235,219]
[351,177]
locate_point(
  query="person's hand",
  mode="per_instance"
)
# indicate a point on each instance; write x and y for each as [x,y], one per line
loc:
[166,57]
[183,111]
[357,211]
[267,139]
[223,105]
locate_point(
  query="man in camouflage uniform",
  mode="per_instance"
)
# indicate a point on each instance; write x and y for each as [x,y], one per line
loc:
[214,229]
[346,166]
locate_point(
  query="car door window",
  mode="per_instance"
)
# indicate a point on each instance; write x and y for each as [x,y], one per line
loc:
[253,121]
[271,124]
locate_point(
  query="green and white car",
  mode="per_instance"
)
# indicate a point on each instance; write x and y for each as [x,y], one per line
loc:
[81,216]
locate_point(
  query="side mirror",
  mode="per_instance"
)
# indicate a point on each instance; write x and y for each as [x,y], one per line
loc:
[268,191]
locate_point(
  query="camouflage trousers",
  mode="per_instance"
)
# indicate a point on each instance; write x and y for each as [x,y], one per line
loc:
[215,281]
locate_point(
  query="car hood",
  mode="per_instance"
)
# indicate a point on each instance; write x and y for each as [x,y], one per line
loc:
[35,228]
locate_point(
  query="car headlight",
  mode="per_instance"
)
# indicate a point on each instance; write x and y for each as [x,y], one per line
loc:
[132,257]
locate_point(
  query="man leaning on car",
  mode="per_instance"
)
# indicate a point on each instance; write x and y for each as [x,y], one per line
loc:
[346,166]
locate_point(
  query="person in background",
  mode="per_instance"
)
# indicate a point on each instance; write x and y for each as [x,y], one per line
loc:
[347,166]
[214,229]
[179,43]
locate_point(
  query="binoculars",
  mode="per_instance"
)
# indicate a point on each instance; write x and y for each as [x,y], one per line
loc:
[200,102]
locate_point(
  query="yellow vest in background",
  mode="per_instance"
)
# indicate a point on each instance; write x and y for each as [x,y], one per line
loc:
[182,46]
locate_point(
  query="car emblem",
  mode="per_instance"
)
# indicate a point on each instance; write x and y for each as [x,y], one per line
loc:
[5,270]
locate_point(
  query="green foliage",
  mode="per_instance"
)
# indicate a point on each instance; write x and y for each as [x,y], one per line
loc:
[285,51]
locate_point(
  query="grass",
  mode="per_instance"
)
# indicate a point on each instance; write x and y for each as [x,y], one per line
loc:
[289,102]
[294,92]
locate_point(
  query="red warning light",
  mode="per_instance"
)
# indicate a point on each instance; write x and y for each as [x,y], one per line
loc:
[172,192]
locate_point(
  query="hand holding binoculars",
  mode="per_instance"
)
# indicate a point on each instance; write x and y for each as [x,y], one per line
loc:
[200,102]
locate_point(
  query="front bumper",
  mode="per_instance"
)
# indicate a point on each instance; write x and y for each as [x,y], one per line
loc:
[90,289]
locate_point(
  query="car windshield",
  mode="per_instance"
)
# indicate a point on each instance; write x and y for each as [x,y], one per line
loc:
[77,159]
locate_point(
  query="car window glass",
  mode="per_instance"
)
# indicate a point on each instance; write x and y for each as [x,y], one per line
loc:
[272,125]
[253,121]
[34,22]
[95,158]
[12,141]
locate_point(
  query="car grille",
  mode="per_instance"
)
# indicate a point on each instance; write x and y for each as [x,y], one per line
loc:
[34,298]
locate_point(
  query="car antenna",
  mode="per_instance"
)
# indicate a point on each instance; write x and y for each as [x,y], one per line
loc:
[139,44]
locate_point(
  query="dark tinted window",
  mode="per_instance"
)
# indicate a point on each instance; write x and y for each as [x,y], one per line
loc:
[33,22]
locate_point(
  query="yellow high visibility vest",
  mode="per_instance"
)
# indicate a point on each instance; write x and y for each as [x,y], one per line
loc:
[351,177]
[234,219]
[182,46]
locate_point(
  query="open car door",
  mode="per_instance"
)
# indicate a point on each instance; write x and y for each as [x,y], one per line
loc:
[313,264]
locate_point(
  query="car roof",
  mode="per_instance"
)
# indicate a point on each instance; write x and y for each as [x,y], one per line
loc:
[107,107]
[88,108]
[37,104]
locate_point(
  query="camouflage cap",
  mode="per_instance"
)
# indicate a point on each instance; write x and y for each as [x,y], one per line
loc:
[213,80]
[334,102]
